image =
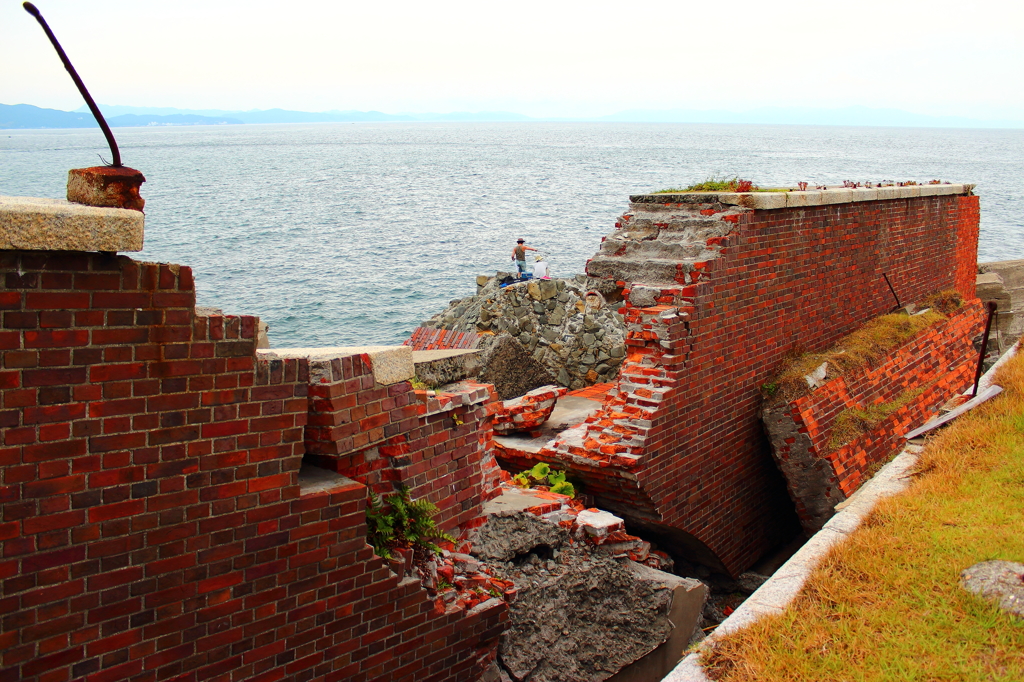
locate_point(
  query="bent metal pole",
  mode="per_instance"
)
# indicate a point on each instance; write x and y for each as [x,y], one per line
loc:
[111,142]
[991,306]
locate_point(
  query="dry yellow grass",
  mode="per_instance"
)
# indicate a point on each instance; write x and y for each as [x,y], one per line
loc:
[886,605]
[862,347]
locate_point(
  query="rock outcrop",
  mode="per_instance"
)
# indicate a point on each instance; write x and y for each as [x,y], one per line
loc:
[571,327]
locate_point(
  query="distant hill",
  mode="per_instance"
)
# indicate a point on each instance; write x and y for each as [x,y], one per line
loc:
[333,116]
[28,116]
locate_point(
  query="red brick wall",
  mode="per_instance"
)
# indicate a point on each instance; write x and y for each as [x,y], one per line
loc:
[680,442]
[152,522]
[788,279]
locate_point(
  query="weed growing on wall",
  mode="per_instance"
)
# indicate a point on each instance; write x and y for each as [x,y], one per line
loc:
[396,521]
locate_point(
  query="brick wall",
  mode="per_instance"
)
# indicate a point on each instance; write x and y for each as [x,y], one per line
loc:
[924,372]
[679,443]
[153,523]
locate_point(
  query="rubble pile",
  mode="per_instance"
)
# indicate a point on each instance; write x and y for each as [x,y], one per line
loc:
[527,412]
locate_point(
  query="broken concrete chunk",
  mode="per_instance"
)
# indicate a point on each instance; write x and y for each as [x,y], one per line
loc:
[817,377]
[599,523]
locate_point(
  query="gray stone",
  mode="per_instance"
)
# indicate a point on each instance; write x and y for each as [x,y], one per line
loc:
[1001,582]
[581,616]
[509,366]
[513,534]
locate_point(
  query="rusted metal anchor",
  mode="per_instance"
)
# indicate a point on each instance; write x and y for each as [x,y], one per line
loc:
[115,185]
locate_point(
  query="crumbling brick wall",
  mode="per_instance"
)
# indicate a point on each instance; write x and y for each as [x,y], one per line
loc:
[382,436]
[153,523]
[679,444]
[919,375]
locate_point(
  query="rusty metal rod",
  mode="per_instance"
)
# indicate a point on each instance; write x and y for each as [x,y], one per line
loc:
[111,142]
[991,305]
[892,291]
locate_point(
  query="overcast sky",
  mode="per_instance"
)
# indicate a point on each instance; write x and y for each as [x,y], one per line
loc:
[541,58]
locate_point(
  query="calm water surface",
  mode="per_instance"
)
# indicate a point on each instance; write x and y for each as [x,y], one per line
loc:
[343,234]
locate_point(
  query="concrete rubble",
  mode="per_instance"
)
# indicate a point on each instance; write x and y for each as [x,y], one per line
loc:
[527,412]
[585,607]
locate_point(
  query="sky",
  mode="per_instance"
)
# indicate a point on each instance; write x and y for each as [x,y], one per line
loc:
[543,58]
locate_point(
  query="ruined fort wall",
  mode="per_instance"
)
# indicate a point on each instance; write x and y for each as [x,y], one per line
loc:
[787,279]
[154,522]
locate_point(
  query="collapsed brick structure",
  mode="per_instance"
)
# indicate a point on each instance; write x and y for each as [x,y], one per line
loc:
[718,288]
[157,521]
[915,379]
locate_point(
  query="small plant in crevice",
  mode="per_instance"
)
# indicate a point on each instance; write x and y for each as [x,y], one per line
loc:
[543,474]
[396,521]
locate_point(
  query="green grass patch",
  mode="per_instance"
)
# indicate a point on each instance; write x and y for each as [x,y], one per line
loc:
[886,604]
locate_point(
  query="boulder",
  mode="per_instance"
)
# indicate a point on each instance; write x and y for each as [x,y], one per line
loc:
[511,368]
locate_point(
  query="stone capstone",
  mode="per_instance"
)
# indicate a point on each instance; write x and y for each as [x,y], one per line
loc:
[34,224]
[391,364]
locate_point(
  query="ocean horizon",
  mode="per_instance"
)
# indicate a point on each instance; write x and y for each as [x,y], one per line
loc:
[354,233]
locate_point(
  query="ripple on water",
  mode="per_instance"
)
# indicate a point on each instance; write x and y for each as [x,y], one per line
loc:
[342,234]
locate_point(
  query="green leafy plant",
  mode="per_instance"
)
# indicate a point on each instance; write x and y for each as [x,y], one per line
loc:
[542,474]
[397,521]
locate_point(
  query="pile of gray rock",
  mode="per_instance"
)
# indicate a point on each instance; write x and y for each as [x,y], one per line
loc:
[571,327]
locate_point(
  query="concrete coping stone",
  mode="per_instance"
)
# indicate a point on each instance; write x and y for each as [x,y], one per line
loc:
[37,224]
[421,356]
[798,199]
[391,364]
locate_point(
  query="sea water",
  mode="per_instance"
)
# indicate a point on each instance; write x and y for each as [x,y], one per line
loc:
[354,233]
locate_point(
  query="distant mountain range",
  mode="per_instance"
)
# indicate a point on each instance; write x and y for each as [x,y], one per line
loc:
[28,116]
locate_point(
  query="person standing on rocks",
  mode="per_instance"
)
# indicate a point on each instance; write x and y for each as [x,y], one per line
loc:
[519,256]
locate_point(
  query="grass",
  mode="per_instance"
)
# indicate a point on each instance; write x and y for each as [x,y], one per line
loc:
[886,604]
[853,422]
[712,184]
[861,348]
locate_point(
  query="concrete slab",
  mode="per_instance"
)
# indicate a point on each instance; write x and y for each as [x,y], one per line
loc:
[35,224]
[419,356]
[511,501]
[314,480]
